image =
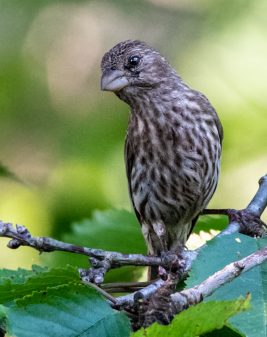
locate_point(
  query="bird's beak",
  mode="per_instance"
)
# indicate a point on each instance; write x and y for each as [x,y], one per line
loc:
[113,80]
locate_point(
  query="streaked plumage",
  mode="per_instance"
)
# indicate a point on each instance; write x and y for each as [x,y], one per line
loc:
[173,143]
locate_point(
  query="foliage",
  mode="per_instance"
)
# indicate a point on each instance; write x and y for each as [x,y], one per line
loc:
[207,222]
[62,137]
[68,310]
[48,299]
[19,283]
[114,230]
[197,320]
[53,302]
[222,251]
[44,302]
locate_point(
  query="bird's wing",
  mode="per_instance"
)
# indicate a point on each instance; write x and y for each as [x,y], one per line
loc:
[218,125]
[206,106]
[129,160]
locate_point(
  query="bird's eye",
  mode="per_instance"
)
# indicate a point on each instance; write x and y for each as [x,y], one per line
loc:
[134,60]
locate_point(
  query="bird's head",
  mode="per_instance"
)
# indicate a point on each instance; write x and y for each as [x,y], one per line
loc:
[131,66]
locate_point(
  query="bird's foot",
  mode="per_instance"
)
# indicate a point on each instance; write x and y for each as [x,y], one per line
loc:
[250,224]
[175,265]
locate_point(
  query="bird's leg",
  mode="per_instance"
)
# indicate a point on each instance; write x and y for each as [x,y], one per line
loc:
[157,238]
[170,258]
[250,224]
[161,233]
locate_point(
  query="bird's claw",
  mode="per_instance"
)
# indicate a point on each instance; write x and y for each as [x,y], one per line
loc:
[174,264]
[250,224]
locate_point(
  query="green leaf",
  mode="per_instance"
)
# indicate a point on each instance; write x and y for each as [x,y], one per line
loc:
[72,310]
[218,253]
[19,283]
[226,331]
[197,320]
[263,270]
[17,276]
[115,230]
[208,222]
[3,318]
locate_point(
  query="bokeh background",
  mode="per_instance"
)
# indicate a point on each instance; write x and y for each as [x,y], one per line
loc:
[63,138]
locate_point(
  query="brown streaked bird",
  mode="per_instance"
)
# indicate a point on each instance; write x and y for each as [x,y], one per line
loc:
[173,144]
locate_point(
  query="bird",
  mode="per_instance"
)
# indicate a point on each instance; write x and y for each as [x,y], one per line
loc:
[173,144]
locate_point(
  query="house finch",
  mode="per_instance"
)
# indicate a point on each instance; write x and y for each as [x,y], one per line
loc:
[173,143]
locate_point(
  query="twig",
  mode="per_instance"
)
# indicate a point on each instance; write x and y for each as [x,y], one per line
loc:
[259,201]
[163,304]
[129,300]
[104,293]
[220,211]
[104,260]
[196,294]
[20,236]
[256,206]
[101,260]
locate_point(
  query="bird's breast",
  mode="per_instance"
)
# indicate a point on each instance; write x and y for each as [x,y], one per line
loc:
[174,169]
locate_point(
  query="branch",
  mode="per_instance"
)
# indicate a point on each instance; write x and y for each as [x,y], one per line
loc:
[255,207]
[196,294]
[102,260]
[163,304]
[21,237]
[259,201]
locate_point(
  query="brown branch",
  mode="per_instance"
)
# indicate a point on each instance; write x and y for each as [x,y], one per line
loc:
[20,236]
[101,260]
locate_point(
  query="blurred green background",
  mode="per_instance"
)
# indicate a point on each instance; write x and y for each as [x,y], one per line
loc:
[64,138]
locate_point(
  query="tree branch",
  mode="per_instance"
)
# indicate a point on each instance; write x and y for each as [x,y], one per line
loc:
[20,236]
[102,260]
[164,304]
[196,294]
[259,201]
[256,207]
